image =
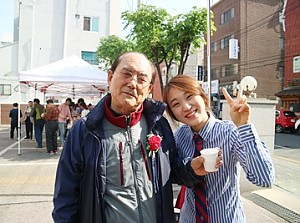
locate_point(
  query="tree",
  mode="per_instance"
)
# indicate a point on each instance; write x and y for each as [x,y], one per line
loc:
[189,32]
[149,26]
[110,48]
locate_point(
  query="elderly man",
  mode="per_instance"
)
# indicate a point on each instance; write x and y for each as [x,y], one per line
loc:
[117,161]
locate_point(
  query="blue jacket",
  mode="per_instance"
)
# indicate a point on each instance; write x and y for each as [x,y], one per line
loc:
[81,176]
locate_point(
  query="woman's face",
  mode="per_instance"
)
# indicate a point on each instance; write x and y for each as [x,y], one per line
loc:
[188,108]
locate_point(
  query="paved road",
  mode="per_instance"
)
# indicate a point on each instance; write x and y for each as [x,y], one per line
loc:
[26,183]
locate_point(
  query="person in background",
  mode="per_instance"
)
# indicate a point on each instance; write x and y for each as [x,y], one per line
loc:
[118,163]
[51,118]
[90,106]
[64,117]
[29,120]
[84,109]
[78,108]
[237,139]
[14,115]
[38,121]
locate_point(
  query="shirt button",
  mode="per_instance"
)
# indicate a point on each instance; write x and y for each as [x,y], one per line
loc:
[202,219]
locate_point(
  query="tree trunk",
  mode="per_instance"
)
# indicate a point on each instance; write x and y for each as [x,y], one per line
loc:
[160,77]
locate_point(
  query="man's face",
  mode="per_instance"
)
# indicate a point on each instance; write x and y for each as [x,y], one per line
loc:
[130,83]
[30,104]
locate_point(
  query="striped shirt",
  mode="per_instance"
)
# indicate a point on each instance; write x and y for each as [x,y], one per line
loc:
[240,147]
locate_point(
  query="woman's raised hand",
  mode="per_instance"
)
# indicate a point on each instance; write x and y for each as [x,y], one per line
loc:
[239,108]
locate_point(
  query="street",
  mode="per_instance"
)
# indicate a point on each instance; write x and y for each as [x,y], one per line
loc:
[27,181]
[287,161]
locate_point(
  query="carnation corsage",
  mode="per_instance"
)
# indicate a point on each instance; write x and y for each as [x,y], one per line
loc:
[154,142]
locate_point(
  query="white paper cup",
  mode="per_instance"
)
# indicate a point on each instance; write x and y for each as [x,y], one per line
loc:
[210,158]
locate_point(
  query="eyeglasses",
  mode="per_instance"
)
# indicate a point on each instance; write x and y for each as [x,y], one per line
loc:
[141,80]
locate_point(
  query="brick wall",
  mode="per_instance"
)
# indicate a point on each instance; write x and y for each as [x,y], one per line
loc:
[292,38]
[256,26]
[261,34]
[4,113]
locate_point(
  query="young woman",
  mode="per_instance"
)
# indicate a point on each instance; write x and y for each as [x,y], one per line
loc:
[238,141]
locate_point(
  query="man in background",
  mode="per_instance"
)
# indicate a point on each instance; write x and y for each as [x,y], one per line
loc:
[14,116]
[29,120]
[64,116]
[39,122]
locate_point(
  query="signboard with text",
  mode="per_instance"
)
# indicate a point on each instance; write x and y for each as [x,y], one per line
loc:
[296,64]
[214,87]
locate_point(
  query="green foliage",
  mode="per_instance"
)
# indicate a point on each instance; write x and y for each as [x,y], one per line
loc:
[167,38]
[162,37]
[148,29]
[109,49]
[190,29]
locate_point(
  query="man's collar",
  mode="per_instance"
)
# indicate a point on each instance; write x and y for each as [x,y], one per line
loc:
[119,119]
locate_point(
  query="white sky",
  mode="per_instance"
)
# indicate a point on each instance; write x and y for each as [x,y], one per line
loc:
[172,6]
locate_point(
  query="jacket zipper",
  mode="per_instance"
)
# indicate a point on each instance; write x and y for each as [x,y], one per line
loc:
[128,120]
[96,169]
[121,164]
[145,160]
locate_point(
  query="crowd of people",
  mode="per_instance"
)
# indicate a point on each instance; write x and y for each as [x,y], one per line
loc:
[55,118]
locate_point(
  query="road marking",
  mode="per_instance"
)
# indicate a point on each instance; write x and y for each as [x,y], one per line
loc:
[28,164]
[9,147]
[288,159]
[282,147]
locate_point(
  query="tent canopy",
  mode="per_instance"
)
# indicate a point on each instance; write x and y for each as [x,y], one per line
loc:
[69,76]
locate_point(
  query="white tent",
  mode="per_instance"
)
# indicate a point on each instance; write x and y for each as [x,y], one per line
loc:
[69,76]
[66,77]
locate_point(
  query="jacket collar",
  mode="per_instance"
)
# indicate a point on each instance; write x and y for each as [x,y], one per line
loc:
[121,120]
[152,110]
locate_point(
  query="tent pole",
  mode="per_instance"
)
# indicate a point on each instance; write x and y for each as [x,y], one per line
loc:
[19,121]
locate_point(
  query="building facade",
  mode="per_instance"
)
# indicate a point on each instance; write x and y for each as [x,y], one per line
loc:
[290,95]
[255,26]
[47,31]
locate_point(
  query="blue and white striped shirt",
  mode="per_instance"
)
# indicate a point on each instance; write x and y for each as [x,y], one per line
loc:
[240,147]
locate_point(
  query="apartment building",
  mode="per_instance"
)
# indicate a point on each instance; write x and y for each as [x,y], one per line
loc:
[47,31]
[290,95]
[256,28]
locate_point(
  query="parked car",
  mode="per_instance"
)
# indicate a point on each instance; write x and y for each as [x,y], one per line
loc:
[285,120]
[297,126]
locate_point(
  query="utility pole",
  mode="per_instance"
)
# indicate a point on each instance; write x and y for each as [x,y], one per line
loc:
[208,54]
[138,4]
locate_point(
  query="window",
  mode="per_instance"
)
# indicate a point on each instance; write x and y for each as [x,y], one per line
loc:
[91,24]
[228,70]
[213,47]
[280,72]
[296,64]
[213,74]
[281,43]
[225,41]
[227,16]
[5,89]
[90,57]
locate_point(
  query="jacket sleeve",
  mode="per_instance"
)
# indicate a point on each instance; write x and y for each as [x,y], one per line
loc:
[68,178]
[181,171]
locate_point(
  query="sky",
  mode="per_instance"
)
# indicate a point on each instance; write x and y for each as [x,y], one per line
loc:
[174,7]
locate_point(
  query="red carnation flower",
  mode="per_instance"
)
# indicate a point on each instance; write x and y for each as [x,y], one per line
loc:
[154,142]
